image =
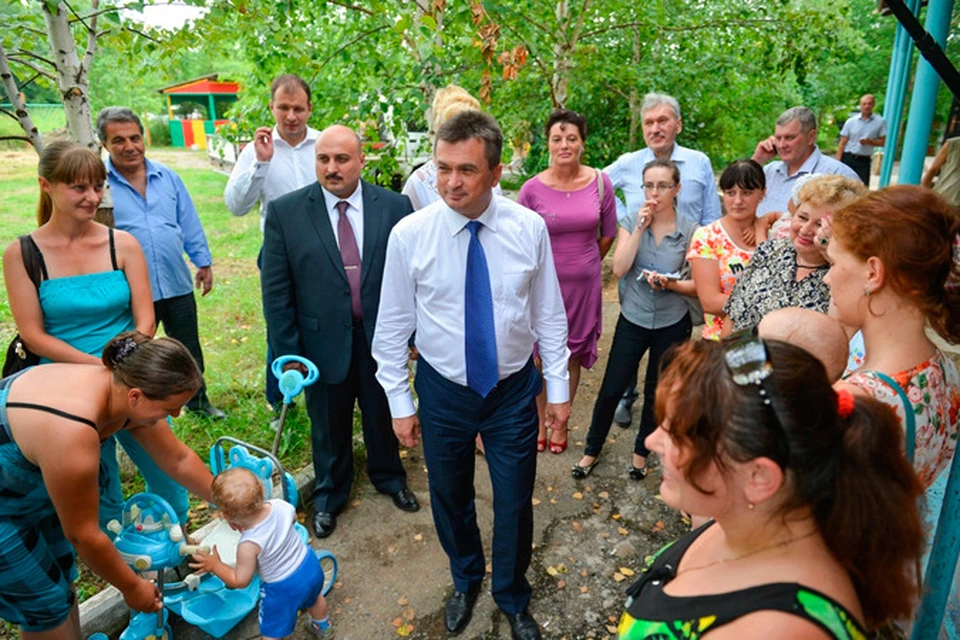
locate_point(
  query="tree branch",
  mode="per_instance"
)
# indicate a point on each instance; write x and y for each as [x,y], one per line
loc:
[142,34]
[34,67]
[19,107]
[693,27]
[353,7]
[352,42]
[91,38]
[100,12]
[579,27]
[9,113]
[17,53]
[77,15]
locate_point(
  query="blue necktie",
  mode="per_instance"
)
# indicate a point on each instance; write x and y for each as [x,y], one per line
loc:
[480,335]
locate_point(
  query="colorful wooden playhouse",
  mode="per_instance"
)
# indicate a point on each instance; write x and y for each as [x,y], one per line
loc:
[210,99]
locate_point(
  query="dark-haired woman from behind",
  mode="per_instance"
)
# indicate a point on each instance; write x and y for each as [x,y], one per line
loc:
[753,435]
[52,421]
[721,251]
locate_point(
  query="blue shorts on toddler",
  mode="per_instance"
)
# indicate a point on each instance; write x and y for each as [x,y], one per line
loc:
[281,602]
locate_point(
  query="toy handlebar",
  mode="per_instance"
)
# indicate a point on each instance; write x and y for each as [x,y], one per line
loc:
[292,381]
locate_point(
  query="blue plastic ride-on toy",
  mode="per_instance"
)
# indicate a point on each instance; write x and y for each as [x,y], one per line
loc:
[291,383]
[150,539]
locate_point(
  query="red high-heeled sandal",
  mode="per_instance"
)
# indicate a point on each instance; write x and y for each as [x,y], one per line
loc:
[541,445]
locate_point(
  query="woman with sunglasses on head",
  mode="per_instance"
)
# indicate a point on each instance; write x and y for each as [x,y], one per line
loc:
[654,315]
[580,209]
[894,269]
[53,419]
[94,285]
[815,531]
[788,272]
[721,251]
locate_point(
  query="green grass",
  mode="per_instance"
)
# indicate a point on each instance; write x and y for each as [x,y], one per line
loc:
[231,320]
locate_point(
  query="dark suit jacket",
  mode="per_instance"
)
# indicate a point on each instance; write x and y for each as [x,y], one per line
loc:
[306,295]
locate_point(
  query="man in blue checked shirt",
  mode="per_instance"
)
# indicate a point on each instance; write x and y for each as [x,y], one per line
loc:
[699,199]
[151,202]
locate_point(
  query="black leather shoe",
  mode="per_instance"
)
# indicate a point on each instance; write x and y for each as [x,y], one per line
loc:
[208,411]
[405,500]
[323,524]
[459,608]
[523,626]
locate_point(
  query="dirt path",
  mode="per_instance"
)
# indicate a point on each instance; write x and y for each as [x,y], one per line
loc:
[395,578]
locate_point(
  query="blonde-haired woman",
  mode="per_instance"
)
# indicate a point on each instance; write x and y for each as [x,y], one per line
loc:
[421,186]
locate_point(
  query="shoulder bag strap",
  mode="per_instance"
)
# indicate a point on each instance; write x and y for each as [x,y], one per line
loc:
[113,251]
[33,260]
[910,420]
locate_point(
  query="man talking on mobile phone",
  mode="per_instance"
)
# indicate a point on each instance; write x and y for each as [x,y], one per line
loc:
[794,139]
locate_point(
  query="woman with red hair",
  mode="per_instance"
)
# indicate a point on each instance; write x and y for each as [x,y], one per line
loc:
[894,269]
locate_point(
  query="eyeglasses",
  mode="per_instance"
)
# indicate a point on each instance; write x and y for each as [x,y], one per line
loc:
[746,357]
[659,187]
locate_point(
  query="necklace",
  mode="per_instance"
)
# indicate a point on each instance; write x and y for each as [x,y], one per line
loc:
[782,545]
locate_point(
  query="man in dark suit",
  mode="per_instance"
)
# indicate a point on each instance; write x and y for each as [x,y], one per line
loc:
[323,255]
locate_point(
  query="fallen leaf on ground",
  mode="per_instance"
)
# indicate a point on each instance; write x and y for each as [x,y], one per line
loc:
[553,501]
[355,503]
[403,454]
[410,614]
[562,568]
[603,495]
[584,589]
[659,526]
[622,531]
[611,628]
[616,516]
[418,537]
[583,573]
[552,571]
[577,495]
[397,621]
[405,630]
[619,577]
[337,584]
[577,527]
[535,501]
[627,571]
[403,601]
[561,584]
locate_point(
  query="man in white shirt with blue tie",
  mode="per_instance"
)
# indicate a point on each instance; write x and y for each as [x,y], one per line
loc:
[473,277]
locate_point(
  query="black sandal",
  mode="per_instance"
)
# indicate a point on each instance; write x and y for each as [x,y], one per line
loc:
[580,473]
[638,473]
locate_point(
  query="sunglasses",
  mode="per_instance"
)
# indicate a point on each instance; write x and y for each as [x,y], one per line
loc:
[746,357]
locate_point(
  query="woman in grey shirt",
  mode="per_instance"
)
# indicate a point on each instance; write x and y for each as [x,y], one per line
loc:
[649,256]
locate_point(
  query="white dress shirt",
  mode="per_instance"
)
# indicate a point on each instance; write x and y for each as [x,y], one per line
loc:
[354,214]
[423,291]
[291,168]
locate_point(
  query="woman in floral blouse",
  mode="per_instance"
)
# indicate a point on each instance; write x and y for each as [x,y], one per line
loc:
[719,252]
[788,272]
[894,269]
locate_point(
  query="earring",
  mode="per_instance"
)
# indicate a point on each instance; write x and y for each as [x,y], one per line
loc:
[866,291]
[750,506]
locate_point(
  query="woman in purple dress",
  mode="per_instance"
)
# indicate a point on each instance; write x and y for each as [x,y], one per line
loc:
[578,205]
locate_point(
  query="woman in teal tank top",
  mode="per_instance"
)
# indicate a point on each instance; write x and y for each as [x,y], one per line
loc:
[95,285]
[815,531]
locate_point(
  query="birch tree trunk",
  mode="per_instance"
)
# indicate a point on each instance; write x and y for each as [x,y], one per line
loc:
[72,73]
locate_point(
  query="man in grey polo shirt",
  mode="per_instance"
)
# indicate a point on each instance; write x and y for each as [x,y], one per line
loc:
[859,136]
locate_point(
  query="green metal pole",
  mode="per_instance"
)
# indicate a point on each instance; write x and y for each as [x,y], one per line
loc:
[924,101]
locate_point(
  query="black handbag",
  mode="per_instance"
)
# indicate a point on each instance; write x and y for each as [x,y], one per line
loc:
[18,356]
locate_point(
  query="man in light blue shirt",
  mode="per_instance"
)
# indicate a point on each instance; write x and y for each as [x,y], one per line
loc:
[698,200]
[661,122]
[859,136]
[151,202]
[795,141]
